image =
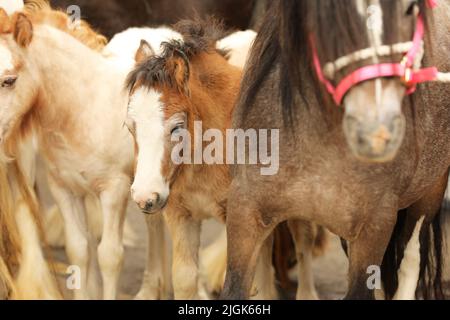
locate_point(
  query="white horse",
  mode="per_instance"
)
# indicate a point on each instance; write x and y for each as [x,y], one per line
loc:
[33,279]
[74,99]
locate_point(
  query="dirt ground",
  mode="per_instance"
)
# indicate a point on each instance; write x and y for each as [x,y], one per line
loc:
[330,270]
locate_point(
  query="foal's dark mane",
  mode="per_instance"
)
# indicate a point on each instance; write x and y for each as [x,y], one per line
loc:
[198,37]
[284,42]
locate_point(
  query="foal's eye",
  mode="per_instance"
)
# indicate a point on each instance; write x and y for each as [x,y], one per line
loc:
[9,82]
[177,129]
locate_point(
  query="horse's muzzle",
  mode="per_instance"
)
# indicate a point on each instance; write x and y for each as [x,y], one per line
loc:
[375,142]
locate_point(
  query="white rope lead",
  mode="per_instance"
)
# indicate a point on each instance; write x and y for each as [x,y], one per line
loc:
[443,77]
[331,68]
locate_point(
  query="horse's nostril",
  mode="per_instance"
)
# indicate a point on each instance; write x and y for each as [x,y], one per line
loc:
[149,205]
[153,202]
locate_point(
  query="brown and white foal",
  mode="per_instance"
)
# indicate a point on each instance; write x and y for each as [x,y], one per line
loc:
[191,81]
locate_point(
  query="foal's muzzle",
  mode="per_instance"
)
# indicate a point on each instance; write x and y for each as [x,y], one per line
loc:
[153,204]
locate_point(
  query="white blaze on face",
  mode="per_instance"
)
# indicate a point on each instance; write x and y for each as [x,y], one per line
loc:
[6,58]
[372,11]
[146,111]
[11,6]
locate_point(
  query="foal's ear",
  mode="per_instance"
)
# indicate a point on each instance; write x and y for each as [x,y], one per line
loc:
[179,67]
[22,29]
[144,52]
[5,22]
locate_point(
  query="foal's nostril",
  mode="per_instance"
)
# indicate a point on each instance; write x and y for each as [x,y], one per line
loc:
[152,203]
[149,205]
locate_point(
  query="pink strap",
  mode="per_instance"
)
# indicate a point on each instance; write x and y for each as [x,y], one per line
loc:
[432,4]
[364,74]
[382,71]
[417,42]
[330,88]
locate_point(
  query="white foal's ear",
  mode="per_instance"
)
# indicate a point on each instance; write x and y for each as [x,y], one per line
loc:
[144,52]
[22,29]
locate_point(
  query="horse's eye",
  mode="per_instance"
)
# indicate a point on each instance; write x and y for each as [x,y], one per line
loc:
[9,82]
[177,128]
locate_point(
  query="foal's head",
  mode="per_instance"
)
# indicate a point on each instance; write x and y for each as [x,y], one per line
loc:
[342,37]
[19,71]
[189,81]
[15,78]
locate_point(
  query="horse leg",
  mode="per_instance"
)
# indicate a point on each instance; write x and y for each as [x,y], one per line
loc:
[110,251]
[247,229]
[185,234]
[303,234]
[420,213]
[77,238]
[153,282]
[264,282]
[409,271]
[367,250]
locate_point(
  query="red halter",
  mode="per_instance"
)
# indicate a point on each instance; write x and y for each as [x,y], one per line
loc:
[403,70]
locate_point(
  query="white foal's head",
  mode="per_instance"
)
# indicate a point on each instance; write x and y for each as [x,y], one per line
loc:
[17,91]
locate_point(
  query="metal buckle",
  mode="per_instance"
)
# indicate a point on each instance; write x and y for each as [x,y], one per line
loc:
[407,78]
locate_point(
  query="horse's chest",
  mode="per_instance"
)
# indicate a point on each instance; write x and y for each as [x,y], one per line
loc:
[203,206]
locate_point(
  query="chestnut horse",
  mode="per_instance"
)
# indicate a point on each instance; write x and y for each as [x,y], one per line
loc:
[113,16]
[320,179]
[192,81]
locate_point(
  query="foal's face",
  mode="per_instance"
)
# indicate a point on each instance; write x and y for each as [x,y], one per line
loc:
[15,79]
[155,132]
[9,74]
[157,119]
[374,123]
[145,120]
